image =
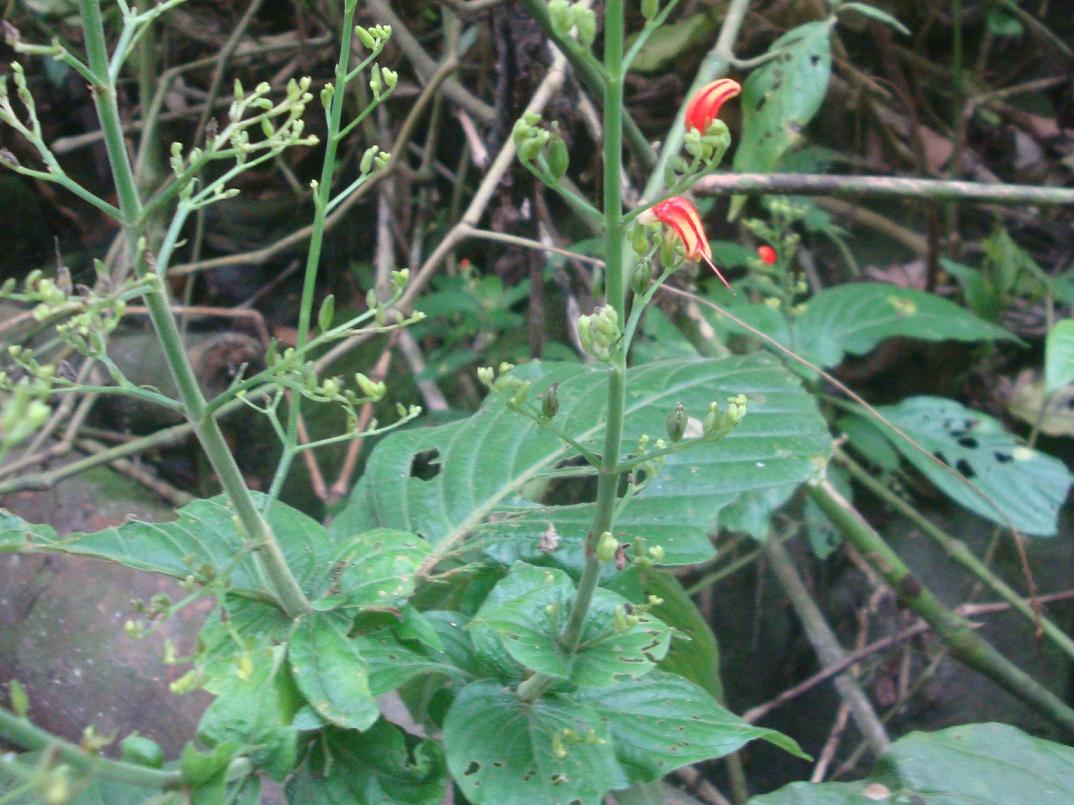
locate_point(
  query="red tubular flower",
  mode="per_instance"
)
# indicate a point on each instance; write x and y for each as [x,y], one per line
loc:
[767,254]
[682,217]
[705,105]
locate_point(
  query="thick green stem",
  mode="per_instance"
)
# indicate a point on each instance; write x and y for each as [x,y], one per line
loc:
[955,631]
[21,732]
[268,554]
[958,551]
[609,473]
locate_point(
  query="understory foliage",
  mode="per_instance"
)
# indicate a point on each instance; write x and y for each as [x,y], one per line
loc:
[494,607]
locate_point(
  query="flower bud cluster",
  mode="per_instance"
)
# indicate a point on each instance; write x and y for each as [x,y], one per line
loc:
[627,616]
[541,150]
[280,124]
[564,738]
[382,80]
[23,409]
[575,20]
[513,390]
[7,111]
[373,38]
[599,333]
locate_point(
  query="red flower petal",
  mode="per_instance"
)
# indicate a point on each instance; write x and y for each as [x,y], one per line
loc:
[705,104]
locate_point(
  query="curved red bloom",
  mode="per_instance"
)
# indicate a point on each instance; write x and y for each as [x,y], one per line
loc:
[767,254]
[705,104]
[681,216]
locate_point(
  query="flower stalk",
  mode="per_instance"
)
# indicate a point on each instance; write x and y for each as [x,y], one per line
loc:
[268,554]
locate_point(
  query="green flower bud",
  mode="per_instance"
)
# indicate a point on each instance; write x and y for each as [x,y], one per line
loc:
[676,423]
[639,239]
[606,547]
[557,156]
[400,278]
[531,148]
[550,402]
[486,375]
[656,553]
[366,38]
[390,77]
[650,8]
[142,751]
[20,701]
[712,420]
[330,387]
[642,277]
[736,409]
[373,389]
[327,313]
[560,17]
[366,165]
[668,247]
[586,23]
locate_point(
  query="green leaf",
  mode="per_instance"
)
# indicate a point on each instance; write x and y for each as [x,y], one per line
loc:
[693,653]
[391,663]
[1000,23]
[255,711]
[204,537]
[877,14]
[672,41]
[374,569]
[1059,356]
[500,749]
[330,671]
[369,768]
[470,479]
[869,441]
[782,96]
[528,610]
[662,721]
[1011,482]
[971,763]
[854,318]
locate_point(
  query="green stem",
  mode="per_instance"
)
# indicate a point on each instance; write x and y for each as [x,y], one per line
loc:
[609,474]
[269,556]
[958,551]
[21,732]
[322,197]
[956,632]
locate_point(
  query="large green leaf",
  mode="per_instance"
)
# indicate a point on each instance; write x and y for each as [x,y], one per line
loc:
[203,537]
[330,671]
[373,569]
[369,768]
[780,97]
[1059,356]
[500,749]
[662,721]
[1010,482]
[529,610]
[852,319]
[482,466]
[972,763]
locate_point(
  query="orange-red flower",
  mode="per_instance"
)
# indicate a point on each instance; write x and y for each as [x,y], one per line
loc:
[705,104]
[767,254]
[681,216]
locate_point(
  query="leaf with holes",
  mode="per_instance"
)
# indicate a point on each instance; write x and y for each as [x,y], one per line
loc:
[1010,482]
[487,477]
[780,97]
[374,767]
[330,671]
[528,610]
[375,569]
[663,721]
[1059,356]
[500,749]
[202,540]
